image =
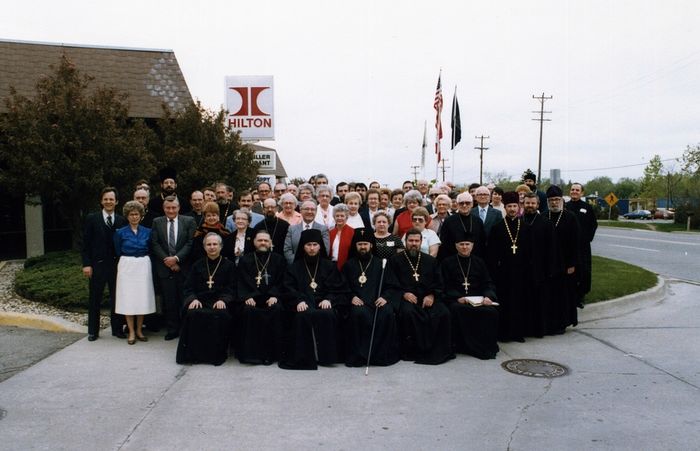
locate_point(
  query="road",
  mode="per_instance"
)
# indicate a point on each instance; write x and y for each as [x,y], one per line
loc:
[674,255]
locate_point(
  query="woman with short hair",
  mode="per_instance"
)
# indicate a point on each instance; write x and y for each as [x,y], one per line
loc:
[341,235]
[324,211]
[385,244]
[289,204]
[404,221]
[431,242]
[243,234]
[211,224]
[135,295]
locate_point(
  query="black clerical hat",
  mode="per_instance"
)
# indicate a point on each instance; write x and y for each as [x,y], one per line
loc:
[310,236]
[463,235]
[530,176]
[363,235]
[167,173]
[554,191]
[510,197]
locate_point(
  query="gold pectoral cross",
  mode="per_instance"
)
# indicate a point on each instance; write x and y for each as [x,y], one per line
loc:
[210,282]
[514,247]
[258,279]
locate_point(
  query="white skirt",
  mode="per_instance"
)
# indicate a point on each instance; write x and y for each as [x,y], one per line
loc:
[135,294]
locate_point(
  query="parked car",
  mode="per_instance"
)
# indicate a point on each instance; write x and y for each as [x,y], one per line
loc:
[663,213]
[639,214]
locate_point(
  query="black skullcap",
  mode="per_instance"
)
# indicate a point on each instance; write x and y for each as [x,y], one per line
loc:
[511,197]
[554,191]
[530,176]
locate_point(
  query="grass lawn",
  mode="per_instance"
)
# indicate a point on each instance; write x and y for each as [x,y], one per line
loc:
[56,279]
[613,278]
[659,227]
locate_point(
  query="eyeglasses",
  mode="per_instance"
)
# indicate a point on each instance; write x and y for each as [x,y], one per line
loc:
[278,191]
[464,203]
[418,219]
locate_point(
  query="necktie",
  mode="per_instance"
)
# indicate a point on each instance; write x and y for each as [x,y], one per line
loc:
[482,214]
[171,238]
[109,221]
[307,226]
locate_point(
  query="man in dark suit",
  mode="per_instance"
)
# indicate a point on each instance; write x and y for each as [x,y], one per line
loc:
[291,241]
[171,243]
[99,261]
[488,215]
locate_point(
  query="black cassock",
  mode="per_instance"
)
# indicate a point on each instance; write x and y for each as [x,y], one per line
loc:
[258,328]
[588,224]
[312,335]
[277,228]
[425,334]
[510,273]
[540,271]
[456,225]
[563,298]
[358,328]
[204,337]
[474,328]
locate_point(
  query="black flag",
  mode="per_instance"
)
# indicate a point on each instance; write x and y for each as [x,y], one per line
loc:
[456,122]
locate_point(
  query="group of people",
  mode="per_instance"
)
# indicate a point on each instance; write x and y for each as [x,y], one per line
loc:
[310,275]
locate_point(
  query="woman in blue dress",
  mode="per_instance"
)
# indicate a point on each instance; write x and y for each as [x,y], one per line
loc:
[134,295]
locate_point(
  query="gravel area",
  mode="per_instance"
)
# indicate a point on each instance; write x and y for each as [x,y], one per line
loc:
[12,302]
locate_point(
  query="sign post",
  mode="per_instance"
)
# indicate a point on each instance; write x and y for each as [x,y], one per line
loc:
[611,199]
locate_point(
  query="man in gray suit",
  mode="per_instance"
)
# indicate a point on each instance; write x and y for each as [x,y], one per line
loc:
[488,215]
[308,214]
[171,242]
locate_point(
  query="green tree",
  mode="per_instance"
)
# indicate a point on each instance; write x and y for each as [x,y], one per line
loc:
[602,185]
[199,145]
[627,187]
[653,182]
[69,141]
[691,160]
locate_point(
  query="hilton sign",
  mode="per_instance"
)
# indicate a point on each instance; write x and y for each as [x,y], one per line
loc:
[249,101]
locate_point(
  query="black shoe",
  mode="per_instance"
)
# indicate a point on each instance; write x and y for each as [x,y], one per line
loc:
[92,337]
[580,305]
[121,335]
[171,336]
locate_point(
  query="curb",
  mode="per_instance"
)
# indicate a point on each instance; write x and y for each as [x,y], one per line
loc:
[43,322]
[624,304]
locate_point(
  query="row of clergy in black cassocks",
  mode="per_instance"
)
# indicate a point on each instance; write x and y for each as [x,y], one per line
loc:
[265,334]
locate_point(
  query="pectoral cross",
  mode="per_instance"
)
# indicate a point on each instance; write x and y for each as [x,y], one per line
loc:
[258,279]
[416,275]
[266,276]
[514,247]
[210,282]
[466,285]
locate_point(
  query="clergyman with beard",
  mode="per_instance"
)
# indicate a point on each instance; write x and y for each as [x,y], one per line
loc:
[364,273]
[314,289]
[258,310]
[276,227]
[561,310]
[415,288]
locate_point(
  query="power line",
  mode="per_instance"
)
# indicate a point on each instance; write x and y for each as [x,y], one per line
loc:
[481,148]
[616,167]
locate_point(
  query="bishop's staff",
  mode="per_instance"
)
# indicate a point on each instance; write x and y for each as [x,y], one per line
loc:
[374,321]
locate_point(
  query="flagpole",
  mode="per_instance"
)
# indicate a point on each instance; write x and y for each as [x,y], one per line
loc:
[454,162]
[437,104]
[424,146]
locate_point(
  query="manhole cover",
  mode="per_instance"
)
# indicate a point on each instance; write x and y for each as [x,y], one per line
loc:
[535,368]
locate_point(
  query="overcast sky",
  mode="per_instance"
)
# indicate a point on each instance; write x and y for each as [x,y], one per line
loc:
[355,80]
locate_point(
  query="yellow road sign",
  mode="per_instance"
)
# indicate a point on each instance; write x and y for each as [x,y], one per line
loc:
[611,199]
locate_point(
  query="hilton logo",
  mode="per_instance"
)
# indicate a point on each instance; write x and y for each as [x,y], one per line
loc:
[249,107]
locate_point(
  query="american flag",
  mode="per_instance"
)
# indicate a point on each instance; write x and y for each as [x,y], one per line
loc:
[438,118]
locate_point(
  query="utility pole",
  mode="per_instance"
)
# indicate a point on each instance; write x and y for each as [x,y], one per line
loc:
[481,148]
[541,119]
[444,167]
[415,172]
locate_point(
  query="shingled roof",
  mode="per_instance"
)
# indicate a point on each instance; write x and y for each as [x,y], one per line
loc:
[149,77]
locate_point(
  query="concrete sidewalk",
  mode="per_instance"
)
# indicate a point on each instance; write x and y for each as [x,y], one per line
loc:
[634,384]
